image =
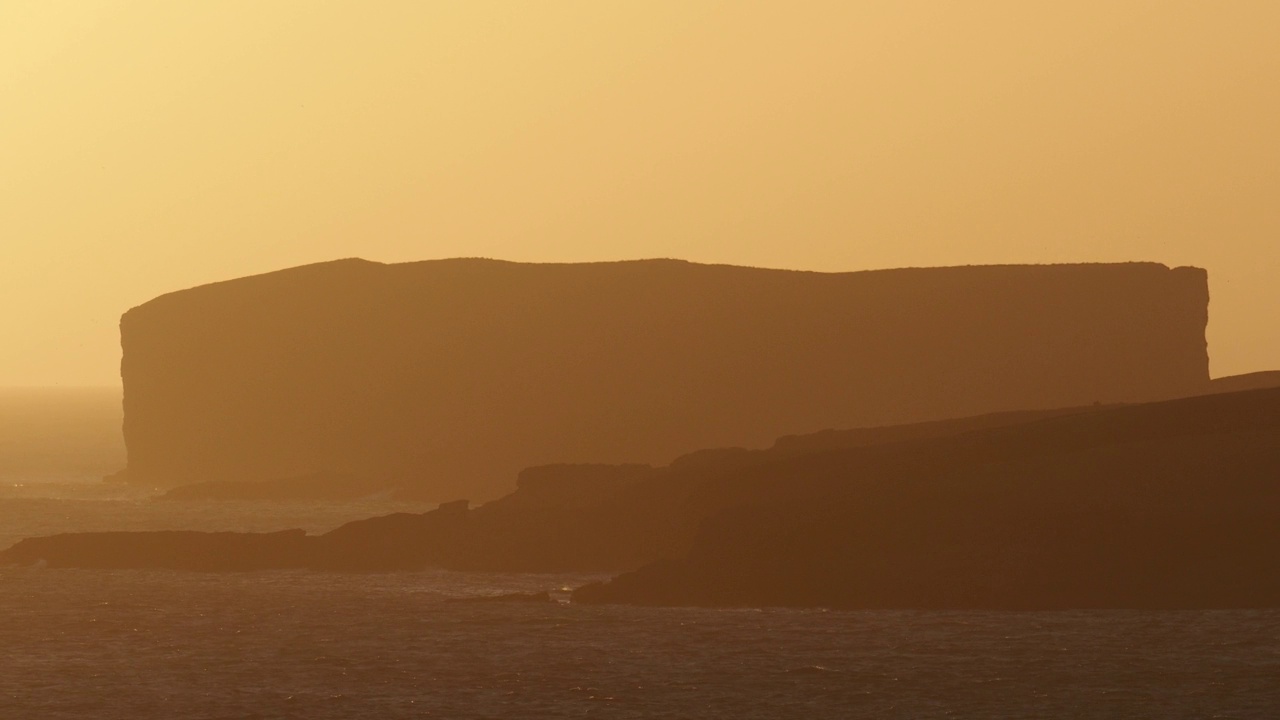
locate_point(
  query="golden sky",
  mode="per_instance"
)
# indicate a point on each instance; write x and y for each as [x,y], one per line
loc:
[155,145]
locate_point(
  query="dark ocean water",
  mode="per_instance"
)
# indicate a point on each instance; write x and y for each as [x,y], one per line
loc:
[145,644]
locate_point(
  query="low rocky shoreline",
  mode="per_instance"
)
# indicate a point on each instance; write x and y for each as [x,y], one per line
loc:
[1161,505]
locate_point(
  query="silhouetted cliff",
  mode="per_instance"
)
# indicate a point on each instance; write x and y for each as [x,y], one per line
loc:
[447,377]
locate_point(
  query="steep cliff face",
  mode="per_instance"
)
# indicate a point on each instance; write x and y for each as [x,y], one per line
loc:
[450,376]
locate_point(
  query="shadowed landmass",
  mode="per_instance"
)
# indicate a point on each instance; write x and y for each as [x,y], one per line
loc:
[445,378]
[165,549]
[1168,505]
[1160,505]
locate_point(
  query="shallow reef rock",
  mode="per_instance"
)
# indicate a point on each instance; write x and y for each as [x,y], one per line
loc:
[445,378]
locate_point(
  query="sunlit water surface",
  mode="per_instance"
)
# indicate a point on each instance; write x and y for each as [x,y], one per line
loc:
[150,644]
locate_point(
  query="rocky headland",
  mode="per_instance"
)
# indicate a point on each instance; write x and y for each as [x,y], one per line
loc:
[1164,505]
[444,379]
[1168,504]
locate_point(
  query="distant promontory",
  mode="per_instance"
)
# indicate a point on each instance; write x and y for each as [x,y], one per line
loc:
[1171,504]
[443,379]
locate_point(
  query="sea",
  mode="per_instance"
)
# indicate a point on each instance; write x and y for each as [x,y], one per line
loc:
[295,644]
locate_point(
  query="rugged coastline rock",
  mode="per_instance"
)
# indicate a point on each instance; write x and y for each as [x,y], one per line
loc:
[445,378]
[560,518]
[166,549]
[1171,504]
[1166,505]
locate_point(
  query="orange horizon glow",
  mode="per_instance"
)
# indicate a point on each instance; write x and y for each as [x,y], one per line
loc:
[149,146]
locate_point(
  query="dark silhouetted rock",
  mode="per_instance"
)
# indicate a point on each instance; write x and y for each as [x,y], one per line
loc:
[560,518]
[445,378]
[1162,505]
[173,550]
[457,507]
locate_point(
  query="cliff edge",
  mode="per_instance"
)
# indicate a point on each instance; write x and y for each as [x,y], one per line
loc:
[445,378]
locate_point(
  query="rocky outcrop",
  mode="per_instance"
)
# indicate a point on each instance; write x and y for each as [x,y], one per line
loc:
[1165,505]
[560,518]
[445,378]
[169,550]
[1160,505]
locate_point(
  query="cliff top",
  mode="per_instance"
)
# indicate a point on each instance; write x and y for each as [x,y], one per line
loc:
[359,267]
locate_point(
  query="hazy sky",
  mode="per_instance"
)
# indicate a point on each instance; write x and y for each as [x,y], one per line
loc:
[151,146]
